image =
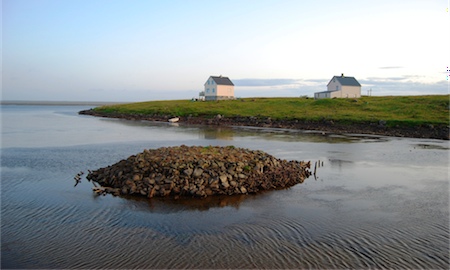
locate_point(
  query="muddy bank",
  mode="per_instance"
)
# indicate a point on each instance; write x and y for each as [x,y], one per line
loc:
[376,128]
[198,171]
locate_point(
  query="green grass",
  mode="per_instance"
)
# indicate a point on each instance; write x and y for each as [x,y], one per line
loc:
[395,110]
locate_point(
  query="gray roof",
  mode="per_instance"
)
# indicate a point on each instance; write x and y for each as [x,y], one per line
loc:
[344,80]
[222,80]
[325,92]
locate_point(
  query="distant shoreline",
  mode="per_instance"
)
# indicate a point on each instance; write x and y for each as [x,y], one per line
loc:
[57,103]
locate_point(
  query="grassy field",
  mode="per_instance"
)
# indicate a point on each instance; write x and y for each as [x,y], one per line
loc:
[395,110]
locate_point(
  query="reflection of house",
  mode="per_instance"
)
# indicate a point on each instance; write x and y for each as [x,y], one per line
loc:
[218,134]
[219,88]
[341,87]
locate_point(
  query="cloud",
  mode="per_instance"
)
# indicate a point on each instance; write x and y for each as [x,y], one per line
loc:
[277,87]
[406,85]
[318,81]
[279,83]
[383,79]
[264,82]
[397,79]
[390,67]
[278,92]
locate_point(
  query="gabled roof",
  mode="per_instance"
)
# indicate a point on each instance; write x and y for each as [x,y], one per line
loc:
[344,80]
[222,80]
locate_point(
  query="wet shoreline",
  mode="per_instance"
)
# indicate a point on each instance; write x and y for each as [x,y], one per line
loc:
[328,126]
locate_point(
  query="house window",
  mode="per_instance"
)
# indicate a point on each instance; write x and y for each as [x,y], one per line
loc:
[213,90]
[207,90]
[208,82]
[337,87]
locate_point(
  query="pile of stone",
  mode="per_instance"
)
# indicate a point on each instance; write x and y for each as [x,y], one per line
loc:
[199,172]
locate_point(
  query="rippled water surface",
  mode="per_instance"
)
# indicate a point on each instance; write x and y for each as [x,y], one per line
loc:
[377,202]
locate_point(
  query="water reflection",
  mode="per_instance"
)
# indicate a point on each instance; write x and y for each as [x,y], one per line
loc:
[218,133]
[340,162]
[171,204]
[234,132]
[431,146]
[167,205]
[289,135]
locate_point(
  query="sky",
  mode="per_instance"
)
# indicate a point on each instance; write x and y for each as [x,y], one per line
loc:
[138,50]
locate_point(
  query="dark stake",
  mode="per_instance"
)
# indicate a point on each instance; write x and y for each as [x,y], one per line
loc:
[315,168]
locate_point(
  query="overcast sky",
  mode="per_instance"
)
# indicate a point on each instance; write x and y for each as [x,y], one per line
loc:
[129,50]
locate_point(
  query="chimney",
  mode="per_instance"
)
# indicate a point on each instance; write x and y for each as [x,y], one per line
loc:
[342,75]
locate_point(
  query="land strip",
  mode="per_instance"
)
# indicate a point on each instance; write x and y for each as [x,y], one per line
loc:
[57,103]
[401,116]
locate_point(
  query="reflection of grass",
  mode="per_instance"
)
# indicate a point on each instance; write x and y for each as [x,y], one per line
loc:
[395,110]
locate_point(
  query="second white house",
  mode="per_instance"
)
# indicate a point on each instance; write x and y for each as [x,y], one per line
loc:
[341,87]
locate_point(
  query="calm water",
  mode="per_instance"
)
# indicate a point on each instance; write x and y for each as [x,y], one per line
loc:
[377,202]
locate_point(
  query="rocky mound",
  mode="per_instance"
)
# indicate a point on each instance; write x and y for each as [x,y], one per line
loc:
[199,171]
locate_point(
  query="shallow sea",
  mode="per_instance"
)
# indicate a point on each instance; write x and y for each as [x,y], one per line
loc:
[377,202]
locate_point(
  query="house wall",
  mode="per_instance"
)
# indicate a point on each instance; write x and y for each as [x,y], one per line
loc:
[347,92]
[336,94]
[210,89]
[334,85]
[352,91]
[320,95]
[225,91]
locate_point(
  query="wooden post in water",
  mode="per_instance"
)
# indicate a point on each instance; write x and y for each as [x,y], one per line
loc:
[315,168]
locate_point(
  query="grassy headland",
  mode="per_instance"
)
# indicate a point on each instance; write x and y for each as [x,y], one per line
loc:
[395,110]
[384,112]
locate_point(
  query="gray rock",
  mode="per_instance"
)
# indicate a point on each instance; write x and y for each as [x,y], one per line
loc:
[225,184]
[197,172]
[223,178]
[188,172]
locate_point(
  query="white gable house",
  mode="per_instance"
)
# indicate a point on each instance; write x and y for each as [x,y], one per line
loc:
[218,88]
[341,87]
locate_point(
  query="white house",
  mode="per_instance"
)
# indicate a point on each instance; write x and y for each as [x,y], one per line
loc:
[218,88]
[341,87]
